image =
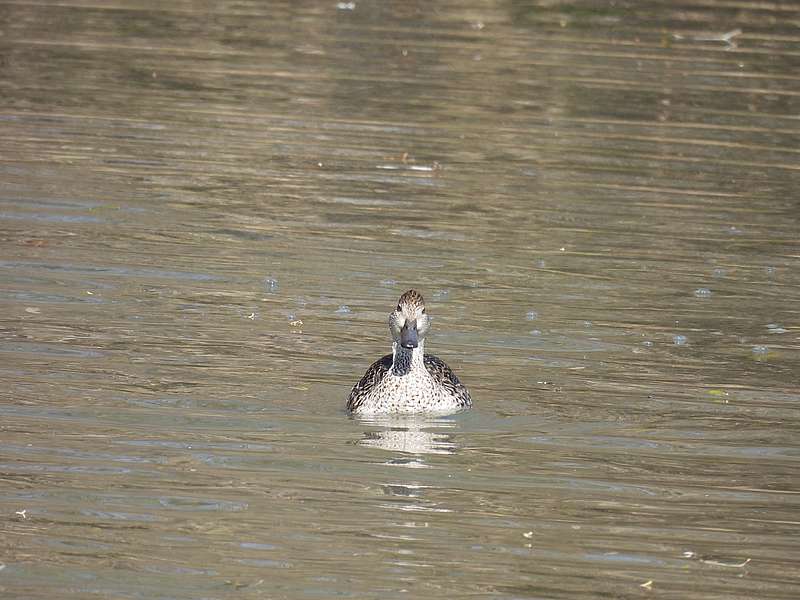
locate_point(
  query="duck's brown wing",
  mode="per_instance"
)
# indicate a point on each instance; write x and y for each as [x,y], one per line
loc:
[371,378]
[447,379]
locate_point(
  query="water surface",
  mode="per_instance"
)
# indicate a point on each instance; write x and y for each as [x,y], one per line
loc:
[208,210]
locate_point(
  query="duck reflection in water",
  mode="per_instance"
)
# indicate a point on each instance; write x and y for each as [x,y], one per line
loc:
[409,434]
[410,441]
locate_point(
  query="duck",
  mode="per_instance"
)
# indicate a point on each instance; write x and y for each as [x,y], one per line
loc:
[408,380]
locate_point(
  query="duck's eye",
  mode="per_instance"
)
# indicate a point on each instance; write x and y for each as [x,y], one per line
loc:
[399,309]
[423,311]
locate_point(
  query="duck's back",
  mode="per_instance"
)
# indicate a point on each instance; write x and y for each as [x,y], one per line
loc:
[362,390]
[444,377]
[380,391]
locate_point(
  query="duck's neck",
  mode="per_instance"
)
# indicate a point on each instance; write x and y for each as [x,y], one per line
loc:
[405,360]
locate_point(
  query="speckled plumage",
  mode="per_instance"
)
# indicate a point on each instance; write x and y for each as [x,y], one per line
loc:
[408,380]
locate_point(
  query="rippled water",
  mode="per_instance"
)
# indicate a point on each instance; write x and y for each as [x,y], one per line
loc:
[208,210]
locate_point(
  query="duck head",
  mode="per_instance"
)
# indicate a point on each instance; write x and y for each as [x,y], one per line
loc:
[408,322]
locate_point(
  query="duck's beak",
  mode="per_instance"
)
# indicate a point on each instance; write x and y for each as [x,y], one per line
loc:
[408,335]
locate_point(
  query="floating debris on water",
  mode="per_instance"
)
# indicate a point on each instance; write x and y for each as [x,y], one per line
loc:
[775,328]
[702,292]
[343,310]
[760,350]
[680,340]
[271,285]
[719,396]
[726,562]
[441,294]
[531,315]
